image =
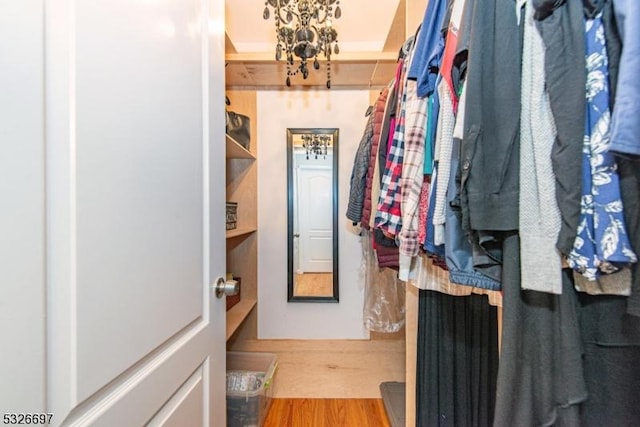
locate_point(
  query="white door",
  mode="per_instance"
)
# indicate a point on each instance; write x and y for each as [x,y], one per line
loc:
[315,203]
[134,130]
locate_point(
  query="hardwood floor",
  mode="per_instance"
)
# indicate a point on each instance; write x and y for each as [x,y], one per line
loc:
[327,413]
[313,285]
[351,369]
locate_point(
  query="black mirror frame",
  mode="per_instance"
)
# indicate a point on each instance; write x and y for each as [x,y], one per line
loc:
[290,274]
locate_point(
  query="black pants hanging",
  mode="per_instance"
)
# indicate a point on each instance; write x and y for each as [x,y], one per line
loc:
[457,360]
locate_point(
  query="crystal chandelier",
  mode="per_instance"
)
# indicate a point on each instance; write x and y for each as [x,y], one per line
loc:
[304,30]
[316,145]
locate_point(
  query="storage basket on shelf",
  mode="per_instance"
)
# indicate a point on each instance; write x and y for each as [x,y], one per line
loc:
[249,387]
[232,215]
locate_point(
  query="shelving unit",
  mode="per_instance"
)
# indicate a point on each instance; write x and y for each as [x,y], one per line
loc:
[238,314]
[237,151]
[240,232]
[242,244]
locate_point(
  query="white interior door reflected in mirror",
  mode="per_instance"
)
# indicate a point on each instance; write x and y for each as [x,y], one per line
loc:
[312,159]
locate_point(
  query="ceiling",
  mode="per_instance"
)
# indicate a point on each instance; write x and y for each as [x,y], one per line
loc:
[369,38]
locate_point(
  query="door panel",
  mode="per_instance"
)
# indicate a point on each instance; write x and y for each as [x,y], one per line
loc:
[133,115]
[136,397]
[316,219]
[22,245]
[186,407]
[139,181]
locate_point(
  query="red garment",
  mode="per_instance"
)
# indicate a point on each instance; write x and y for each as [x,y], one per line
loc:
[423,208]
[378,112]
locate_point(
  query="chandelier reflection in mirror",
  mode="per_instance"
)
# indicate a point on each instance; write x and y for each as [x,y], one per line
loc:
[304,29]
[315,145]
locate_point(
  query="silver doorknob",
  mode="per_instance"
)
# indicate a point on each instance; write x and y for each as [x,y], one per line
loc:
[226,287]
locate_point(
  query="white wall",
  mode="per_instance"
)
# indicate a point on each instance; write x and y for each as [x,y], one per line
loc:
[22,327]
[277,111]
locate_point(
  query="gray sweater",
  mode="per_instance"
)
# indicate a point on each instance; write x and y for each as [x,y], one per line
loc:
[539,215]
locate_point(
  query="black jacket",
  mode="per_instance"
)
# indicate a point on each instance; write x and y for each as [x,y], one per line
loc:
[490,155]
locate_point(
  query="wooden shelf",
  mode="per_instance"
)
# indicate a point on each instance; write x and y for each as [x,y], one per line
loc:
[237,151]
[237,314]
[344,57]
[240,231]
[348,70]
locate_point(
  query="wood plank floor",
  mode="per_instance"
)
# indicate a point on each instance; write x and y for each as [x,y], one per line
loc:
[350,369]
[326,413]
[313,285]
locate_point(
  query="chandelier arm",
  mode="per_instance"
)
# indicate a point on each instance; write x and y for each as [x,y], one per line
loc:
[282,19]
[324,18]
[281,10]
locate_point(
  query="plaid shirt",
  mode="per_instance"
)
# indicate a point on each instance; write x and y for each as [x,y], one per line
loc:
[412,169]
[388,215]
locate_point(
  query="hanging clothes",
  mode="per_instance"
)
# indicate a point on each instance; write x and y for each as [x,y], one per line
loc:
[435,251]
[602,243]
[423,206]
[563,36]
[539,220]
[430,277]
[509,164]
[458,360]
[625,126]
[490,149]
[614,47]
[411,178]
[540,377]
[458,248]
[611,338]
[446,119]
[429,48]
[387,174]
[388,216]
[444,143]
[630,189]
[362,160]
[359,173]
[372,184]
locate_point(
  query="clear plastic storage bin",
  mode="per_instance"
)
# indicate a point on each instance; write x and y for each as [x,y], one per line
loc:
[249,387]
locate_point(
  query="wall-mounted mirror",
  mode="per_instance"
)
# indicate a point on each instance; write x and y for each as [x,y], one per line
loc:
[312,187]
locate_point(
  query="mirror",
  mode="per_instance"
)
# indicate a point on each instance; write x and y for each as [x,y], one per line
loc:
[312,224]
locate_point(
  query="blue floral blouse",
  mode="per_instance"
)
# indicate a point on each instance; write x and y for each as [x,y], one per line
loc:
[602,244]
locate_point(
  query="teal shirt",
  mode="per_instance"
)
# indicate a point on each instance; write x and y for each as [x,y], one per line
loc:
[429,135]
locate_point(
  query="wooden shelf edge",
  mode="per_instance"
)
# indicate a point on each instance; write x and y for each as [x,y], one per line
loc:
[237,151]
[346,57]
[241,231]
[237,314]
